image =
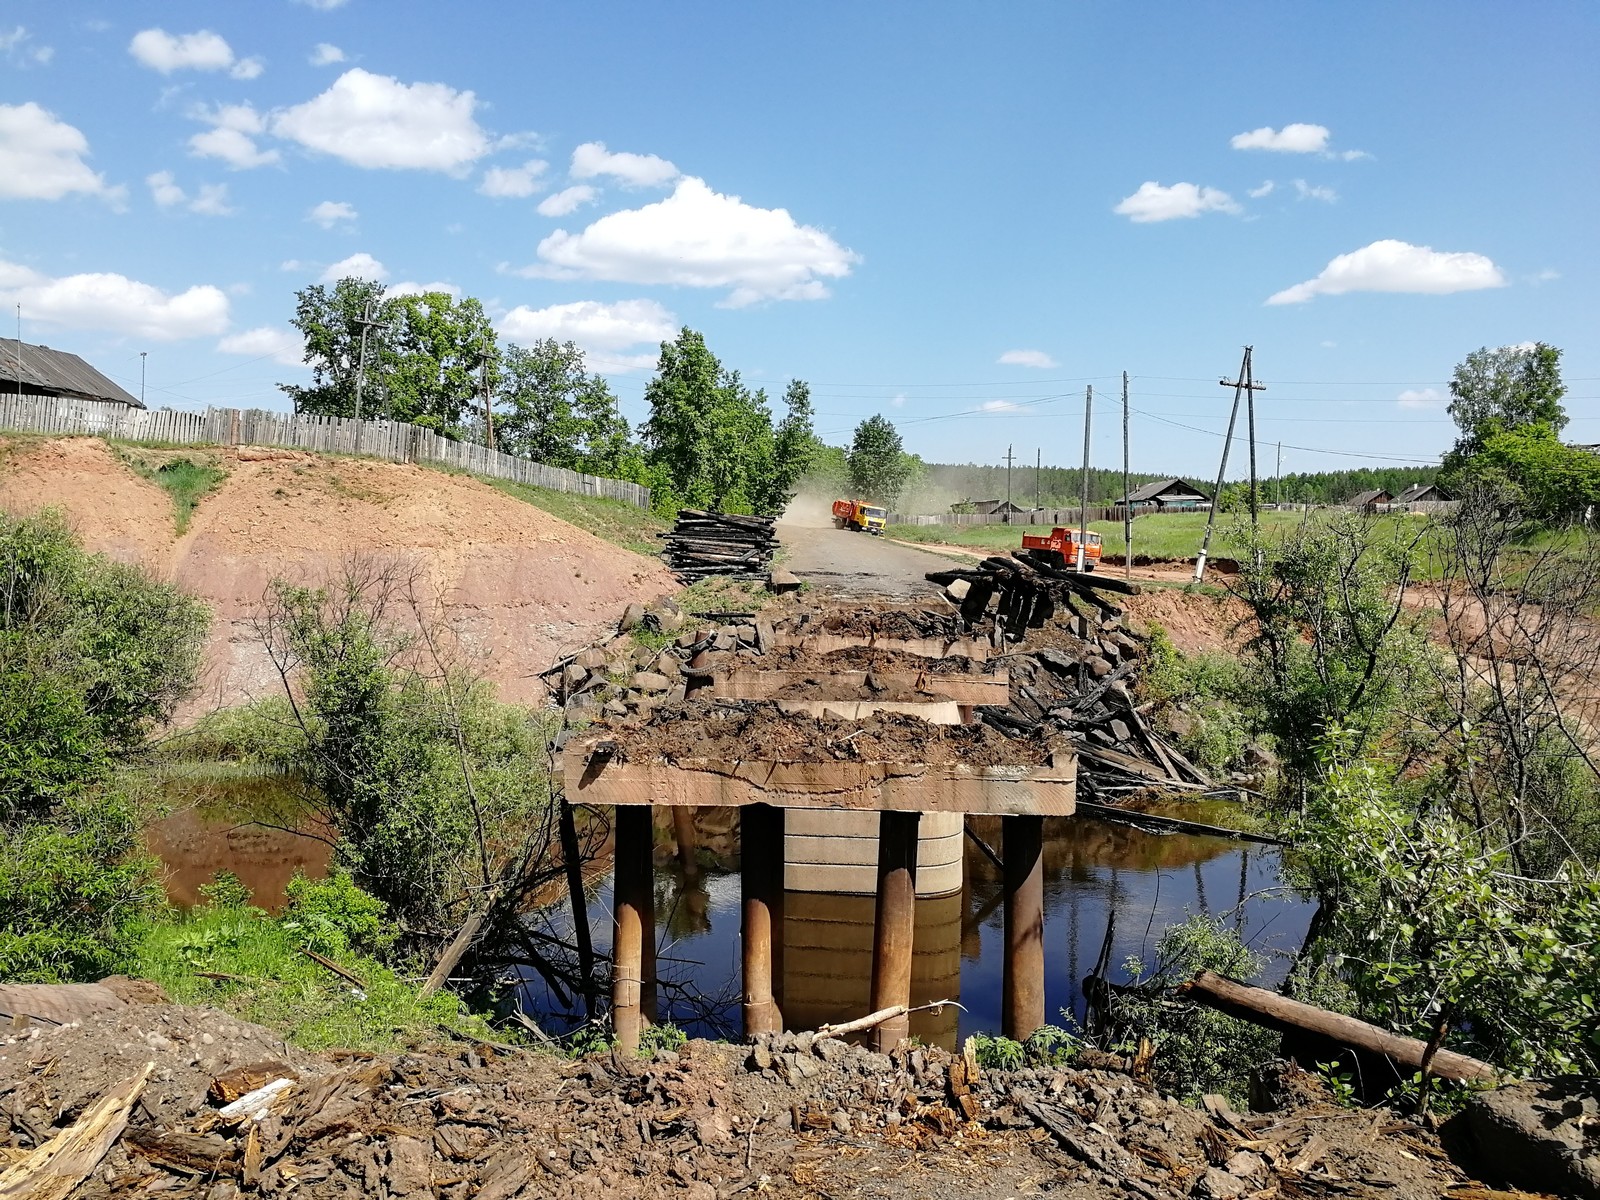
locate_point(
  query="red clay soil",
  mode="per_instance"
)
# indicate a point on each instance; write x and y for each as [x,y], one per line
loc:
[519,586]
[1195,621]
[867,658]
[759,732]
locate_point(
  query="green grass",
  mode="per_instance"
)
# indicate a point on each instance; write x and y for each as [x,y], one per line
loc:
[616,521]
[188,476]
[276,985]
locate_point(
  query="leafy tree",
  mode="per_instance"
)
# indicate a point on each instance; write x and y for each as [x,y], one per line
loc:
[93,654]
[878,463]
[330,320]
[795,445]
[554,411]
[441,349]
[1551,482]
[708,435]
[1501,391]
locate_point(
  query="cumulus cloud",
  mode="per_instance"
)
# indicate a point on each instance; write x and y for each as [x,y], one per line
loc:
[513,181]
[325,54]
[411,288]
[1153,202]
[358,266]
[1308,191]
[232,136]
[592,159]
[1265,189]
[1027,358]
[1394,266]
[700,238]
[567,200]
[1298,138]
[1425,398]
[114,303]
[42,157]
[331,212]
[284,345]
[248,68]
[18,46]
[169,52]
[603,331]
[210,201]
[999,406]
[376,121]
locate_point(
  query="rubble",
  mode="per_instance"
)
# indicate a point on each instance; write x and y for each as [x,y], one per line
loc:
[789,1115]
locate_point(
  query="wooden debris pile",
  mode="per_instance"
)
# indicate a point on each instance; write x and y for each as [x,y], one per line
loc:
[707,543]
[1083,685]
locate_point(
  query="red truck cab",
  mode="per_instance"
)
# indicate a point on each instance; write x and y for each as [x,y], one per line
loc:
[1061,547]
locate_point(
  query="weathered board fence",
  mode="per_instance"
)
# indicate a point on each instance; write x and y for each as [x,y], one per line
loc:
[391,440]
[1067,517]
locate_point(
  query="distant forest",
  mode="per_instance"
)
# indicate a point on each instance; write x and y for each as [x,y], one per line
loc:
[939,485]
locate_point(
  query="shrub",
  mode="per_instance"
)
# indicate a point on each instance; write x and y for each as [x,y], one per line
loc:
[336,917]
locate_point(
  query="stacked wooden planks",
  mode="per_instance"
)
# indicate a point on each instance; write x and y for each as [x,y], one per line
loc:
[708,543]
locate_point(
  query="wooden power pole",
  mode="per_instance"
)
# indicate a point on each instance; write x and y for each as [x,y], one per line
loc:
[488,413]
[1038,463]
[1127,508]
[1007,513]
[1083,513]
[1222,467]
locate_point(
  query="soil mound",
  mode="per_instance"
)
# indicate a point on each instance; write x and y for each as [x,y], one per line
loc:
[519,586]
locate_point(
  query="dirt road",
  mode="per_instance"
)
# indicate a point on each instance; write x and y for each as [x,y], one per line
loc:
[857,564]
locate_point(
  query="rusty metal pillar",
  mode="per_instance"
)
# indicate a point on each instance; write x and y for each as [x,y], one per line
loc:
[761,889]
[1022,1005]
[893,923]
[633,925]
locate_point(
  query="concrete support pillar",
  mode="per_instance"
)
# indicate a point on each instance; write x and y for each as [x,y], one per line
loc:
[761,890]
[1022,1004]
[633,928]
[893,923]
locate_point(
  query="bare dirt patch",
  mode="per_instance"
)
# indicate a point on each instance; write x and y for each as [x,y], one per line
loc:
[1196,622]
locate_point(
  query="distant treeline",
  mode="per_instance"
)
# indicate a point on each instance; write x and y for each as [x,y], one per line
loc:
[1336,487]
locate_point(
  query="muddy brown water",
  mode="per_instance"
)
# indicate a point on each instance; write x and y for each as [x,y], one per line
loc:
[1110,890]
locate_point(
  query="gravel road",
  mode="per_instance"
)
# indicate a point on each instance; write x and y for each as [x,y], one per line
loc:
[856,564]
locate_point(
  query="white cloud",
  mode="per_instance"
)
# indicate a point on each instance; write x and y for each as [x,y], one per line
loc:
[232,136]
[248,68]
[322,5]
[41,157]
[1351,155]
[1265,189]
[1395,266]
[410,288]
[360,265]
[1548,275]
[999,406]
[331,212]
[114,303]
[211,201]
[1027,358]
[1153,202]
[169,52]
[1291,139]
[1425,398]
[17,48]
[567,200]
[700,238]
[325,54]
[284,345]
[1308,191]
[376,121]
[592,159]
[897,401]
[513,181]
[604,331]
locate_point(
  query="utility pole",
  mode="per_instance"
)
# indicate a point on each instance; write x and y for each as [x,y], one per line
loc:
[1038,462]
[1007,513]
[142,355]
[1247,381]
[488,415]
[1127,508]
[1083,513]
[1222,467]
[366,323]
[1278,476]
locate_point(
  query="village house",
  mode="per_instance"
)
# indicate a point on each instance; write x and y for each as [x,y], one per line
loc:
[1167,495]
[40,371]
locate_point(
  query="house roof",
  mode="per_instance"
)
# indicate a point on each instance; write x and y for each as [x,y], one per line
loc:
[1362,499]
[993,506]
[1160,487]
[44,369]
[1419,491]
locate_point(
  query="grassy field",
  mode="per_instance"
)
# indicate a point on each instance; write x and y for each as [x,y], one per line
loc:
[1159,535]
[614,520]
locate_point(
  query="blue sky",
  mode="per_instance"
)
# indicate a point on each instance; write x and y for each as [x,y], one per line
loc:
[957,215]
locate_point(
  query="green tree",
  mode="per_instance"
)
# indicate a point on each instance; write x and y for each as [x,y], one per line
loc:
[444,352]
[1501,391]
[795,445]
[330,320]
[552,410]
[879,466]
[1551,482]
[93,654]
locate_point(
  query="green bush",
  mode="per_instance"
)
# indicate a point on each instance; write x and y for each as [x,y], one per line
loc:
[336,917]
[1206,702]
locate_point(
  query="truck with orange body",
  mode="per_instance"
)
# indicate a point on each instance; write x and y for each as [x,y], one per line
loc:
[1061,546]
[859,516]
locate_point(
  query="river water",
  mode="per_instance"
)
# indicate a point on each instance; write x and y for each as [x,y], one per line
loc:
[1110,890]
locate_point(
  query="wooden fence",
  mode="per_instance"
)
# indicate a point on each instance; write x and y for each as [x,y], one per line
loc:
[1067,517]
[391,440]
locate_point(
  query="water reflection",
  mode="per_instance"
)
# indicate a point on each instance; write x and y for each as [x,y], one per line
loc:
[1109,892]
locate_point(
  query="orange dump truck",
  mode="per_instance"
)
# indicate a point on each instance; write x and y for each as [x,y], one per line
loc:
[1061,547]
[860,516]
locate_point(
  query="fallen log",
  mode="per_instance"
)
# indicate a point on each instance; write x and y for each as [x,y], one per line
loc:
[878,1018]
[1272,1011]
[1160,824]
[54,1169]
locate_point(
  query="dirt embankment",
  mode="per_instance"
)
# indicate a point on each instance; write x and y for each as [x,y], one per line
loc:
[518,586]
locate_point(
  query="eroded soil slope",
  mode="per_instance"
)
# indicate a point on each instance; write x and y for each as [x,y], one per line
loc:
[518,586]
